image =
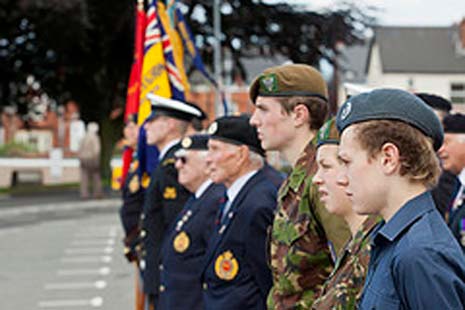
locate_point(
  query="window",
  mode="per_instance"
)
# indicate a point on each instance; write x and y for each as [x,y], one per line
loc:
[457,93]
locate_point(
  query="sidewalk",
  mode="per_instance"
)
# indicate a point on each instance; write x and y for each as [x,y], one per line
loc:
[27,197]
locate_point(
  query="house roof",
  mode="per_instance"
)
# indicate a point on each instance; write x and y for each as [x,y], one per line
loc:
[420,49]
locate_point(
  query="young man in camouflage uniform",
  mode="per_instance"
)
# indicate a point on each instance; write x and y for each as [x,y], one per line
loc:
[291,105]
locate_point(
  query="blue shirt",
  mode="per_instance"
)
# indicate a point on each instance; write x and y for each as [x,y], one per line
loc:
[415,262]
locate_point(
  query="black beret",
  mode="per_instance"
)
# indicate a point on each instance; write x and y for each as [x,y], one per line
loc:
[162,106]
[195,142]
[236,130]
[391,104]
[436,102]
[454,123]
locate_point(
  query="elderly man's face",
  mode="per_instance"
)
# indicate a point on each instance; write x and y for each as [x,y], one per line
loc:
[222,161]
[192,169]
[452,152]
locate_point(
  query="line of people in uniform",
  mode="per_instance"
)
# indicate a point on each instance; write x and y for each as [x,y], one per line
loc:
[353,226]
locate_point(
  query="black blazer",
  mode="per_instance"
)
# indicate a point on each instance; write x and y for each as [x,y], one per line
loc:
[182,264]
[236,274]
[165,197]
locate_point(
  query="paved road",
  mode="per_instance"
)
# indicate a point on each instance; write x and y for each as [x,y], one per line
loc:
[63,255]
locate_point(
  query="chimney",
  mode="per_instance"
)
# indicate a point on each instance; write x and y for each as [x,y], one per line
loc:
[462,32]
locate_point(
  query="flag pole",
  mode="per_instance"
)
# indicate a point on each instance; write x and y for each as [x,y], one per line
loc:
[217,55]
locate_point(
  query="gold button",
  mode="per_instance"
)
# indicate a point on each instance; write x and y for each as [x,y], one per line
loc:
[162,288]
[205,286]
[143,233]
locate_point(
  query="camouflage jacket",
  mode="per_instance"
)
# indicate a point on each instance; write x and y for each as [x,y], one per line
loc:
[343,288]
[300,256]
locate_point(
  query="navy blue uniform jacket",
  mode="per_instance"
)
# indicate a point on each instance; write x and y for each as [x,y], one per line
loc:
[180,271]
[238,249]
[164,198]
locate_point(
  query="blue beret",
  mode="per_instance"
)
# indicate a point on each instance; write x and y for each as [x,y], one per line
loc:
[236,130]
[391,104]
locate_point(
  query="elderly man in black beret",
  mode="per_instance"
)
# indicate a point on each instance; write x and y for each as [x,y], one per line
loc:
[452,154]
[388,142]
[236,274]
[187,238]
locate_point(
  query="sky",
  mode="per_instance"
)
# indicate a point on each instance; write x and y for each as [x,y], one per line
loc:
[404,12]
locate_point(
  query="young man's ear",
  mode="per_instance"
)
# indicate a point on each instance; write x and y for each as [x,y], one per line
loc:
[301,115]
[389,157]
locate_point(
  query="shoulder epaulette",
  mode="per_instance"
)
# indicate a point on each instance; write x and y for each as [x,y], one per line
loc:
[168,161]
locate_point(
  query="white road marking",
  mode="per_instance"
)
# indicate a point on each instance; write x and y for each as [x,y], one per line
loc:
[94,242]
[106,250]
[95,302]
[87,259]
[79,272]
[76,285]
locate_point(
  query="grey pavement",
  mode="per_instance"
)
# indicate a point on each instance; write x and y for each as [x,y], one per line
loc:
[63,255]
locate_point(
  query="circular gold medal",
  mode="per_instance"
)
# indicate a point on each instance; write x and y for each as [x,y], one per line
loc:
[181,242]
[226,266]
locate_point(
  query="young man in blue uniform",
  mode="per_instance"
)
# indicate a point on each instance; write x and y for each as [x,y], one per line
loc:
[388,143]
[164,197]
[186,241]
[236,274]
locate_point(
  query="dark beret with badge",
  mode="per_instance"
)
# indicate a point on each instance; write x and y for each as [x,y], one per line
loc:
[236,130]
[391,104]
[435,102]
[289,80]
[193,143]
[181,110]
[454,123]
[328,133]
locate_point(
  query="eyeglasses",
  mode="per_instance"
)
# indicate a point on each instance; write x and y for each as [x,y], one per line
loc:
[183,159]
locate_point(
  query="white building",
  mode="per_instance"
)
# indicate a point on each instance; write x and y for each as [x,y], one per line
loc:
[420,59]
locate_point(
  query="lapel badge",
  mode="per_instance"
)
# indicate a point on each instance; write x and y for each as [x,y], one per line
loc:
[181,242]
[134,184]
[170,193]
[226,266]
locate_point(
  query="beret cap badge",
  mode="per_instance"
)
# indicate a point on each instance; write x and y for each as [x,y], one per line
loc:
[269,83]
[346,111]
[186,142]
[213,128]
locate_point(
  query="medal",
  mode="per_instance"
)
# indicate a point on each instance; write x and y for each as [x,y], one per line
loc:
[181,242]
[226,266]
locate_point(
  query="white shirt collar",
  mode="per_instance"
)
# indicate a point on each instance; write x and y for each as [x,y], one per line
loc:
[166,148]
[237,186]
[462,177]
[202,188]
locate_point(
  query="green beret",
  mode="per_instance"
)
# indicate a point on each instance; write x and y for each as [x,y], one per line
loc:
[391,104]
[236,130]
[289,80]
[328,133]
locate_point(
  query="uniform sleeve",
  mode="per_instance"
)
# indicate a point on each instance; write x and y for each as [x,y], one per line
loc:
[428,279]
[256,247]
